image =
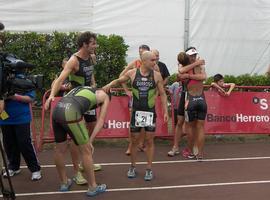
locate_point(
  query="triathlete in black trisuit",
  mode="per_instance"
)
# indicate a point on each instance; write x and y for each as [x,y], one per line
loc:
[67,118]
[145,82]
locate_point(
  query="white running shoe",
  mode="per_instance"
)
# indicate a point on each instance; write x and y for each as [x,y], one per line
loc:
[36,176]
[11,172]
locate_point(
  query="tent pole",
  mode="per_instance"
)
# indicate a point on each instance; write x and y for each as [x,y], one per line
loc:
[187,17]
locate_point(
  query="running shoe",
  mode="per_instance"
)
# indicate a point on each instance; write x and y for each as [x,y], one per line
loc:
[36,176]
[11,172]
[191,156]
[173,152]
[79,179]
[128,152]
[199,158]
[195,150]
[148,175]
[131,172]
[97,167]
[185,152]
[66,186]
[97,190]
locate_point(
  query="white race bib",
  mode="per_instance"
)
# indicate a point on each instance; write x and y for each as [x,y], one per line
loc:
[144,119]
[91,112]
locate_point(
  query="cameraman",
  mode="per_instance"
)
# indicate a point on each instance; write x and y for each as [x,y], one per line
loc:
[15,123]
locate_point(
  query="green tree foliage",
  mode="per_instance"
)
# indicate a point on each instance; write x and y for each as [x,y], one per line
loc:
[245,80]
[110,58]
[46,52]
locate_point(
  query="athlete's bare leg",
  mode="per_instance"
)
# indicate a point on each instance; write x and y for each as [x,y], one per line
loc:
[149,141]
[88,165]
[59,160]
[178,131]
[134,143]
[200,138]
[75,157]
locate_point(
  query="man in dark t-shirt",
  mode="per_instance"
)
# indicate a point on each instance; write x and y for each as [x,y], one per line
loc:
[162,68]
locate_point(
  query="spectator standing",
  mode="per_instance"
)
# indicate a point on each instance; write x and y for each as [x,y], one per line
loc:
[16,131]
[162,68]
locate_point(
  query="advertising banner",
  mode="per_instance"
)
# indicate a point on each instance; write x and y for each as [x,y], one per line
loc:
[239,113]
[118,119]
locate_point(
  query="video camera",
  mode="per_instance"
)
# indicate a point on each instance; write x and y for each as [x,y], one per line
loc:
[14,77]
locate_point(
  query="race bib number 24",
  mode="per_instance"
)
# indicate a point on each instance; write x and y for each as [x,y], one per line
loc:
[144,119]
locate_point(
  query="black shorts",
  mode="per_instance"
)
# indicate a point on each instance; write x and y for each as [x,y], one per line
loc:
[90,116]
[136,129]
[181,105]
[196,108]
[67,120]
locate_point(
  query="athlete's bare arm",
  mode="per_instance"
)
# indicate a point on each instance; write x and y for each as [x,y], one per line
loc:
[93,81]
[232,86]
[187,68]
[201,76]
[122,79]
[103,98]
[219,89]
[130,66]
[162,93]
[125,87]
[69,68]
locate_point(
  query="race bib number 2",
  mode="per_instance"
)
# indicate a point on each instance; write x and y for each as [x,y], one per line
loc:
[143,119]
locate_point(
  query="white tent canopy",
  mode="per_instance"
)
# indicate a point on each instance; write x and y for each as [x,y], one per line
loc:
[232,36]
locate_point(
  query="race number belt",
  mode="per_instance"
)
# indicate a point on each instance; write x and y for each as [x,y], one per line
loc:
[144,119]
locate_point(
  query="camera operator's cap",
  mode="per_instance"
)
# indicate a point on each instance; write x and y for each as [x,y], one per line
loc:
[191,52]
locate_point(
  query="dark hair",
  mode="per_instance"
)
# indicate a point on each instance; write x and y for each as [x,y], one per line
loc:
[85,38]
[183,59]
[218,77]
[190,48]
[144,46]
[2,26]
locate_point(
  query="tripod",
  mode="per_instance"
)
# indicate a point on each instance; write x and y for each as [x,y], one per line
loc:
[7,194]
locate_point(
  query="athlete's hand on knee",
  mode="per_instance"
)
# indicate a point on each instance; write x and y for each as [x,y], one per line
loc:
[47,103]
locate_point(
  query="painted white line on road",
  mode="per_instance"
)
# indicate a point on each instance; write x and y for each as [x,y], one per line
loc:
[149,188]
[169,161]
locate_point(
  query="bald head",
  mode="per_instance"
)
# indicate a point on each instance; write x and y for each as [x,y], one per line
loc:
[156,52]
[148,60]
[147,55]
